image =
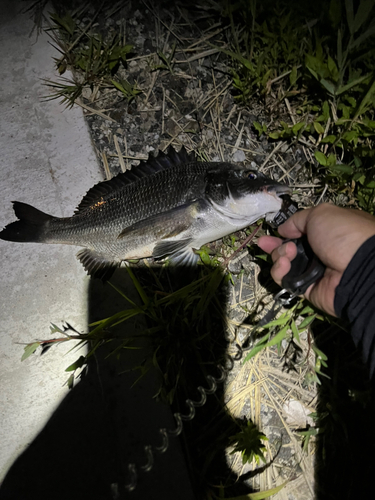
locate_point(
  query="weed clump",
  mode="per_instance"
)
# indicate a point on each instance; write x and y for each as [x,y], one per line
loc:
[97,59]
[315,74]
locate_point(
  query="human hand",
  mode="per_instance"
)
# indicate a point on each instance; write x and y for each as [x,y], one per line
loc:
[334,234]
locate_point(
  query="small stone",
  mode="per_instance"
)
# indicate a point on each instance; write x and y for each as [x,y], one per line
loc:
[86,93]
[248,264]
[239,156]
[234,266]
[297,414]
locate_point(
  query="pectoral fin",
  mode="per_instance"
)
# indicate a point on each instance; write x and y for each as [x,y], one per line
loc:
[168,247]
[186,257]
[180,252]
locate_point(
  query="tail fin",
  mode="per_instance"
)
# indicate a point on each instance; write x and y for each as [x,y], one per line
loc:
[30,228]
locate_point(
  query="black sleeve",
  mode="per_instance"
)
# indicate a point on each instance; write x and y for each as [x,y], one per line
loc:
[355,299]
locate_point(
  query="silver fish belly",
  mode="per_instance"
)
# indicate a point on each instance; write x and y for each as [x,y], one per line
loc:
[169,205]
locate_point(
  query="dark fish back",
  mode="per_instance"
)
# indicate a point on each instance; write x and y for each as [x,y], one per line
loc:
[164,161]
[150,195]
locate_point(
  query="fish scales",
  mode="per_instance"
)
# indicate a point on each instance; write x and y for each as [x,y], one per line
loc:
[168,205]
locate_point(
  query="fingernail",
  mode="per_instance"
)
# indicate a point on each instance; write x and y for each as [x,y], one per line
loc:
[282,250]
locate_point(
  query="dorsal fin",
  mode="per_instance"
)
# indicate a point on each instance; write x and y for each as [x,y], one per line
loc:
[148,167]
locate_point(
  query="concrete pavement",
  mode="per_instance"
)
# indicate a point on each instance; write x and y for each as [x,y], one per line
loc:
[46,160]
[58,445]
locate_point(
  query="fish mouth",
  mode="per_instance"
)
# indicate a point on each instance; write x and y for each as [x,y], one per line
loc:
[278,191]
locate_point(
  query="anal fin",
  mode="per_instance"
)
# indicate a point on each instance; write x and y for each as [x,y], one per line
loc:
[96,265]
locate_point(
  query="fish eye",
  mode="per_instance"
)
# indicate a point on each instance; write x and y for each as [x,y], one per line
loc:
[252,176]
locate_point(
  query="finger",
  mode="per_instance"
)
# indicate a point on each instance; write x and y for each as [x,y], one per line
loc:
[295,226]
[287,249]
[269,243]
[280,269]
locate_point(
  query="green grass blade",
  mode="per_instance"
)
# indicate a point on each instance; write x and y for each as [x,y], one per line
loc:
[350,15]
[123,295]
[362,13]
[307,321]
[29,350]
[139,287]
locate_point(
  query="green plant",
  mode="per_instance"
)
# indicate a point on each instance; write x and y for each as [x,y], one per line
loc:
[129,91]
[68,91]
[267,41]
[249,443]
[167,60]
[100,57]
[323,69]
[288,327]
[306,436]
[96,59]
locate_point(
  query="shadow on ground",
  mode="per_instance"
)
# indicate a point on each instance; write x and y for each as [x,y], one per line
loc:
[106,419]
[111,414]
[346,414]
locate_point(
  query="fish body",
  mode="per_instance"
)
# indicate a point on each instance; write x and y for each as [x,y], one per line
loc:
[168,205]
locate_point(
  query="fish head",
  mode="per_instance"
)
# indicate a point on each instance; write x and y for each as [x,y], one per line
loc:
[245,194]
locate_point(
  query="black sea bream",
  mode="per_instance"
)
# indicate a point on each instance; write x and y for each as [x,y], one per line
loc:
[168,205]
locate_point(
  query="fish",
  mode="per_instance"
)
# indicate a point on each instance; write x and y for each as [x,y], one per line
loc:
[169,205]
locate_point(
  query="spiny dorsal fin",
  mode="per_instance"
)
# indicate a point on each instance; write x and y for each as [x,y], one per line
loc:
[154,164]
